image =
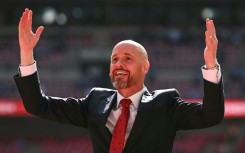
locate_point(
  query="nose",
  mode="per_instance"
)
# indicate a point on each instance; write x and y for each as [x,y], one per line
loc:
[119,64]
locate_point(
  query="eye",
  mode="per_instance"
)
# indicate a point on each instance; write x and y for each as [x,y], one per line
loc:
[128,58]
[114,60]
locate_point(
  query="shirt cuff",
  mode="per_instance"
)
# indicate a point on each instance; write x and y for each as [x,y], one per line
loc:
[27,70]
[213,76]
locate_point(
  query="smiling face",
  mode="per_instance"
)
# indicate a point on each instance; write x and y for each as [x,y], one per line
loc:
[129,65]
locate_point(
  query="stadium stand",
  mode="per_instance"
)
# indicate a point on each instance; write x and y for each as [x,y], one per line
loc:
[75,56]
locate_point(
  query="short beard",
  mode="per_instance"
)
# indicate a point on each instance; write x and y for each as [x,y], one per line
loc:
[119,84]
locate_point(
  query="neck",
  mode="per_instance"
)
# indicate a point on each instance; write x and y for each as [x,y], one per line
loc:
[127,92]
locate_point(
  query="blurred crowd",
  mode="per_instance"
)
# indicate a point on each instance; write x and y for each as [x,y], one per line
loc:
[72,60]
[73,55]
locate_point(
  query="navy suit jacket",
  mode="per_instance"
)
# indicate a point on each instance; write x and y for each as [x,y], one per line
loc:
[160,114]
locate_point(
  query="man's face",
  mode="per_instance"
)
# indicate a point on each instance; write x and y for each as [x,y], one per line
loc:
[127,67]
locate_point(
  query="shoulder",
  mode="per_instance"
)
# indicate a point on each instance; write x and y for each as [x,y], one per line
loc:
[164,98]
[165,95]
[98,89]
[102,91]
[165,92]
[99,95]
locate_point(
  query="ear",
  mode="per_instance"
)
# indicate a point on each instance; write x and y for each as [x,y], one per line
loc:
[146,66]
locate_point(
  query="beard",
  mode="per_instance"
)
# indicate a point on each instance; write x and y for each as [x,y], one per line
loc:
[121,83]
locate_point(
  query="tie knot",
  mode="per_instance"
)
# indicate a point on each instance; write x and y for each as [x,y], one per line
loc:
[125,102]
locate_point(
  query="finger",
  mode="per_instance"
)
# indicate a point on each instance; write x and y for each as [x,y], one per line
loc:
[22,21]
[210,39]
[207,38]
[211,42]
[25,16]
[210,26]
[30,20]
[212,36]
[207,20]
[39,31]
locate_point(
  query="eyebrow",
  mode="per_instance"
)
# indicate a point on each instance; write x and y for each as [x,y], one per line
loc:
[124,54]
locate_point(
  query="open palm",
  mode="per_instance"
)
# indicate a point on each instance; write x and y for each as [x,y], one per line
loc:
[211,44]
[28,39]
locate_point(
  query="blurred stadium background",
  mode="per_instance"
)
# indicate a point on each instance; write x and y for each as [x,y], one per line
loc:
[73,56]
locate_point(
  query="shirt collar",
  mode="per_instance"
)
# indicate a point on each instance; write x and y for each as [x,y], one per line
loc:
[135,98]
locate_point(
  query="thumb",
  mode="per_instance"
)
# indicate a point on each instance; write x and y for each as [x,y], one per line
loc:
[39,31]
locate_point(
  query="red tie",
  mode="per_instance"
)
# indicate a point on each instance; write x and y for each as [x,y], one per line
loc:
[118,137]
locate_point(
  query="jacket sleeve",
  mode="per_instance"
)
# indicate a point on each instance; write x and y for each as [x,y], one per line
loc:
[195,115]
[64,110]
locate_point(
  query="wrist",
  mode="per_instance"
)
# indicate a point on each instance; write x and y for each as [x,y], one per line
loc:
[26,58]
[26,61]
[216,67]
[211,63]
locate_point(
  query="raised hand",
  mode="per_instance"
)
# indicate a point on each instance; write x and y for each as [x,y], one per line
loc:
[211,40]
[27,39]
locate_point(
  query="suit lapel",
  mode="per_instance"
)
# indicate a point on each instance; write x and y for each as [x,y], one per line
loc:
[105,108]
[141,119]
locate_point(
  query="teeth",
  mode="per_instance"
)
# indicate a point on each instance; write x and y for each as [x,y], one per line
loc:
[121,73]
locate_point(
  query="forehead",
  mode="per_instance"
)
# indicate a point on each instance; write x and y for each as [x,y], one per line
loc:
[125,49]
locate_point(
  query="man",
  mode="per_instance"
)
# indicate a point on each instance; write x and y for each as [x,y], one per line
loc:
[129,119]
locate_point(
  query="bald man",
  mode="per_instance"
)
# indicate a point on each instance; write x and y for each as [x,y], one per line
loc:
[129,118]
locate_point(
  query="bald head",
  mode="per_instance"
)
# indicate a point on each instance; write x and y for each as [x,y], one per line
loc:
[129,65]
[137,46]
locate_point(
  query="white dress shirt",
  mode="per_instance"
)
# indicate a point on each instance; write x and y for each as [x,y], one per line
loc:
[213,76]
[116,111]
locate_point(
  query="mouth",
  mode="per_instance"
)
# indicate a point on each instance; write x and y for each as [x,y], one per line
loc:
[120,73]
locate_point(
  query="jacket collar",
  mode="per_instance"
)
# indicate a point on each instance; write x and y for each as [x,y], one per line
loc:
[141,119]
